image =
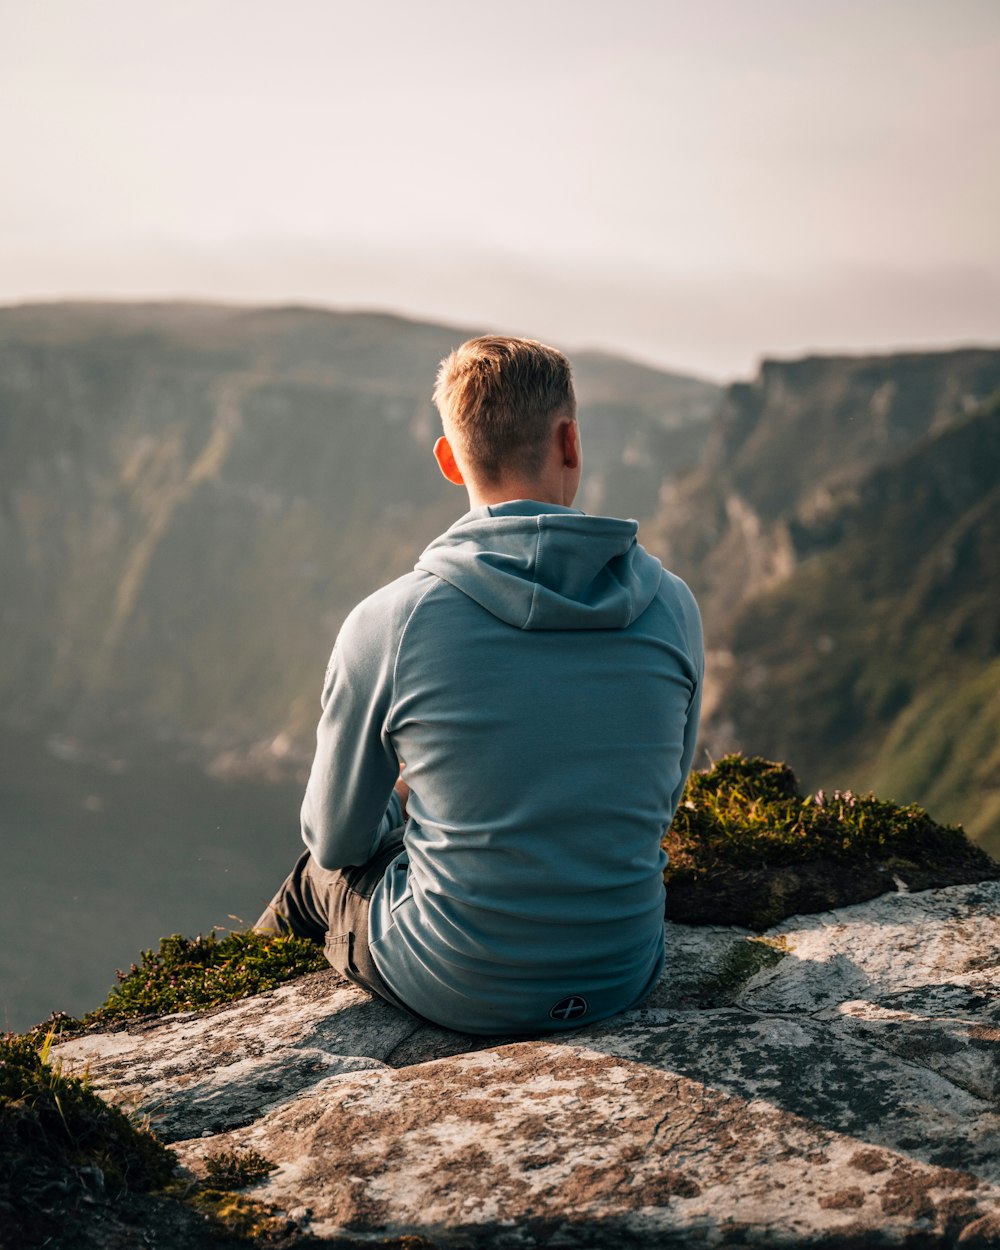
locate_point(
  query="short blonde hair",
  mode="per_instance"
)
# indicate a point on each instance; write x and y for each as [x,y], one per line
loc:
[500,396]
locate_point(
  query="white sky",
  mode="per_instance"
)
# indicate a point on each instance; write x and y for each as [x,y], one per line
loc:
[695,183]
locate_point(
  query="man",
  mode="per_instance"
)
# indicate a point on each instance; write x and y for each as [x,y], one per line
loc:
[505,736]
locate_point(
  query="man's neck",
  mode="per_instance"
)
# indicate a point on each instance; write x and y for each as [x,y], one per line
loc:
[478,499]
[513,488]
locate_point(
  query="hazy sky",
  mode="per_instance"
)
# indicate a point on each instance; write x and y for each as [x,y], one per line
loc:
[696,183]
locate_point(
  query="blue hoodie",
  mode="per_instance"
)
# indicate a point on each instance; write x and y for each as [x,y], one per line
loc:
[538,677]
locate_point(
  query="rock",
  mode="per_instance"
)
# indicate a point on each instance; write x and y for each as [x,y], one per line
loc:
[833,1083]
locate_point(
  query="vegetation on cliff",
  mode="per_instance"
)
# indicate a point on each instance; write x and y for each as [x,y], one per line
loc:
[61,1145]
[190,974]
[887,634]
[747,847]
[75,1171]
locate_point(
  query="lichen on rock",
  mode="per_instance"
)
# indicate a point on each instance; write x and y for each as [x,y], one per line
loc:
[835,1087]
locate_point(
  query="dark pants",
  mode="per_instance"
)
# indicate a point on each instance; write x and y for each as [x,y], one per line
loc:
[331,909]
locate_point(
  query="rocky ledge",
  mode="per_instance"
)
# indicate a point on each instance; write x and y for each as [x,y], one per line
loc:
[831,1082]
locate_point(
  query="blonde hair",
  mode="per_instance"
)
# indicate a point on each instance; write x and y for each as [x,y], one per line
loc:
[500,396]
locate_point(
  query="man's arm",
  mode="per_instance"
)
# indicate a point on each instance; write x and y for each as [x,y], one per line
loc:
[350,804]
[696,648]
[690,739]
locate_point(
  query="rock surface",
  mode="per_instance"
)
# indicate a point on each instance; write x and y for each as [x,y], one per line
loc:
[834,1082]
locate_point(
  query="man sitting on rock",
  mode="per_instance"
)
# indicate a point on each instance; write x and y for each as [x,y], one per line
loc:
[505,736]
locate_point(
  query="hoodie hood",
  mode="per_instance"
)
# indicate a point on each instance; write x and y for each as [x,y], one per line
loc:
[540,566]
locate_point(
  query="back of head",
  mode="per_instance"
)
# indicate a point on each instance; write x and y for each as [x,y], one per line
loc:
[499,398]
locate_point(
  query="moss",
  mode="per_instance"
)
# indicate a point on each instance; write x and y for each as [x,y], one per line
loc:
[745,959]
[235,1219]
[236,1215]
[747,847]
[748,811]
[60,1143]
[190,974]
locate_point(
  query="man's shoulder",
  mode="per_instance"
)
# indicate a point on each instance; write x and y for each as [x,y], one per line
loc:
[675,588]
[387,609]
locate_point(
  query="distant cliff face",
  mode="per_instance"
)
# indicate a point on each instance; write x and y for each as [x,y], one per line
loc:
[841,535]
[193,497]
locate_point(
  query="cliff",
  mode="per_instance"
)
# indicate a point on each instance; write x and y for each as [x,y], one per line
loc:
[839,533]
[831,1083]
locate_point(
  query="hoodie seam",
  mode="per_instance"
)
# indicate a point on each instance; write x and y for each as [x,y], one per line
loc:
[435,582]
[534,567]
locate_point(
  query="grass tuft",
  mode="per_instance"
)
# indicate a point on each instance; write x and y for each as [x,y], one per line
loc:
[234,1216]
[235,1169]
[59,1143]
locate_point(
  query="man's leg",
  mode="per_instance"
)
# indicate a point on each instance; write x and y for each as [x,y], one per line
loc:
[298,907]
[331,909]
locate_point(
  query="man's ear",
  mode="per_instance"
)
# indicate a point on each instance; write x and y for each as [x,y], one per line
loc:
[569,440]
[445,457]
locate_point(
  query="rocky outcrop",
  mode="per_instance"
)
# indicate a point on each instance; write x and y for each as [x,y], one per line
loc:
[834,1081]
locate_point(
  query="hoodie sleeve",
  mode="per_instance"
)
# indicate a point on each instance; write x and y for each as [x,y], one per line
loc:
[349,804]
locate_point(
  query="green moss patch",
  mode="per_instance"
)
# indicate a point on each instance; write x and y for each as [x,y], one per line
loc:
[238,1217]
[744,960]
[190,974]
[748,848]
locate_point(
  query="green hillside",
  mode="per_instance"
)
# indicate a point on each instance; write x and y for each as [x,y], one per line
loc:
[889,635]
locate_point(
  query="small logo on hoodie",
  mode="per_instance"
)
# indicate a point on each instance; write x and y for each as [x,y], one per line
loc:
[571,1008]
